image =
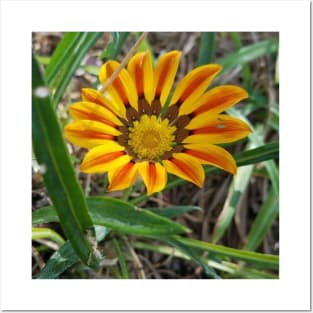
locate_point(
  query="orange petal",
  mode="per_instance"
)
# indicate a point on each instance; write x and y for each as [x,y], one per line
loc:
[123,177]
[193,85]
[95,112]
[122,88]
[95,96]
[186,167]
[213,155]
[153,175]
[165,73]
[215,100]
[106,157]
[140,69]
[220,129]
[88,134]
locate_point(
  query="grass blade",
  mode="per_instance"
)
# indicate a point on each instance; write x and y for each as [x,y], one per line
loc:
[114,47]
[260,154]
[60,81]
[121,259]
[63,51]
[188,250]
[59,262]
[246,72]
[248,53]
[263,222]
[260,259]
[175,211]
[207,48]
[236,191]
[59,176]
[46,233]
[119,216]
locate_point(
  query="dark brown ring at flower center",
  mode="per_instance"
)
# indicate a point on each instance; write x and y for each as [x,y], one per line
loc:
[144,108]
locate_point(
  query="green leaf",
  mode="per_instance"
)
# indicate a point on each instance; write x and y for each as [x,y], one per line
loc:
[263,221]
[175,211]
[247,77]
[248,53]
[121,259]
[260,259]
[64,50]
[172,251]
[120,216]
[124,217]
[114,47]
[44,215]
[46,233]
[207,48]
[59,262]
[68,63]
[260,154]
[58,173]
[236,191]
[188,250]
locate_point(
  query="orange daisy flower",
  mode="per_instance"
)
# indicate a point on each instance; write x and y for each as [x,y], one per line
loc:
[134,129]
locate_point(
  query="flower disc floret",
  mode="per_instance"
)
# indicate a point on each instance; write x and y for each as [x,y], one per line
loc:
[151,137]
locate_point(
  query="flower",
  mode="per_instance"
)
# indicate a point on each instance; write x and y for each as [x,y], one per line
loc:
[133,128]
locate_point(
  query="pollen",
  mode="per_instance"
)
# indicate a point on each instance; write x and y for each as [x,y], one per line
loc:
[151,137]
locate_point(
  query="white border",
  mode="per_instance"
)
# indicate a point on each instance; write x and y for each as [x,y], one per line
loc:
[291,19]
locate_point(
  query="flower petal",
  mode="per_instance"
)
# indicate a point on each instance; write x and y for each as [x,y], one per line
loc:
[213,155]
[220,129]
[154,176]
[122,89]
[106,157]
[95,112]
[215,100]
[193,85]
[165,73]
[186,167]
[95,96]
[123,177]
[140,69]
[88,134]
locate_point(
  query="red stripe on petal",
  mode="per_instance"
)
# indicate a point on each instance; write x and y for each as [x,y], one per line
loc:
[186,170]
[102,159]
[118,85]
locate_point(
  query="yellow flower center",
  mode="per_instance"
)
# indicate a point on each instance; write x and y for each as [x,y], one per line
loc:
[151,137]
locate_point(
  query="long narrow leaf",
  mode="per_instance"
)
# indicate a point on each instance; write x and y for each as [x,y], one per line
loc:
[237,188]
[59,262]
[207,48]
[175,211]
[246,72]
[248,53]
[264,260]
[58,173]
[46,233]
[188,250]
[61,80]
[64,50]
[263,222]
[120,216]
[115,46]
